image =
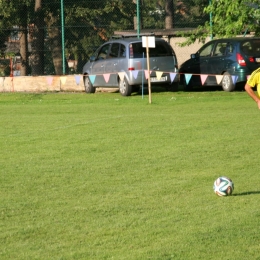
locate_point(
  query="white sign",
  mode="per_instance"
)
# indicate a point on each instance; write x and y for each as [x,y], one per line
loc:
[148,40]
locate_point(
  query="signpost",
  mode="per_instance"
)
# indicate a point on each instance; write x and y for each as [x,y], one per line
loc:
[148,42]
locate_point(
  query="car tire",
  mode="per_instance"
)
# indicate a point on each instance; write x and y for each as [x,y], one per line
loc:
[88,85]
[227,82]
[124,88]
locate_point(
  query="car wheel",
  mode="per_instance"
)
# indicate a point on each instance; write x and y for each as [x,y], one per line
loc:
[124,88]
[227,83]
[88,85]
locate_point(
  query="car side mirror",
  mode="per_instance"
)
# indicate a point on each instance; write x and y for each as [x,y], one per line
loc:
[193,56]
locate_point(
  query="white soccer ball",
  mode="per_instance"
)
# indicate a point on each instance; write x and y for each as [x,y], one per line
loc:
[223,186]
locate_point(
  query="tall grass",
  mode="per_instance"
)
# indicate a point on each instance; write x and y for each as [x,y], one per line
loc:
[106,177]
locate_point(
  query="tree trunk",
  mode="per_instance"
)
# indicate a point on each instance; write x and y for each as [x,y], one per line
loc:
[168,14]
[37,36]
[55,43]
[24,42]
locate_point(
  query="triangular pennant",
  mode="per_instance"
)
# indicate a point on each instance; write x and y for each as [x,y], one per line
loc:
[234,79]
[146,72]
[77,79]
[159,74]
[121,75]
[49,80]
[187,78]
[135,73]
[63,80]
[172,76]
[106,77]
[219,78]
[203,78]
[92,78]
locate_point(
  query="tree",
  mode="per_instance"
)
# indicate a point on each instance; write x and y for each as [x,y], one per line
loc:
[169,14]
[15,13]
[229,19]
[24,39]
[37,39]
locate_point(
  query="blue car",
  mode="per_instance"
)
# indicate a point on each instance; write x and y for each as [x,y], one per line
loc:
[226,62]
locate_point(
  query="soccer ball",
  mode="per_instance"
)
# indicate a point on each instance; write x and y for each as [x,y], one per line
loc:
[223,186]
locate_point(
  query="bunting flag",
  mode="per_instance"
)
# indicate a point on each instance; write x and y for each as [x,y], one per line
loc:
[159,74]
[77,79]
[135,73]
[92,78]
[234,79]
[121,75]
[187,78]
[146,73]
[63,80]
[219,78]
[49,80]
[203,78]
[172,76]
[106,77]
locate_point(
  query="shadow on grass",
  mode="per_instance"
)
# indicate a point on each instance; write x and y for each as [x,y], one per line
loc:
[246,193]
[166,88]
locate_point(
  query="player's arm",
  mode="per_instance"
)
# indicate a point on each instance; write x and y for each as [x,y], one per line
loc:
[252,94]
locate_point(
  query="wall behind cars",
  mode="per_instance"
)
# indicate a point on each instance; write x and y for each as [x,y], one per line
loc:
[41,83]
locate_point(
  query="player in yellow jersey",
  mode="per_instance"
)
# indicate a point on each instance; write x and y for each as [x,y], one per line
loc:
[254,81]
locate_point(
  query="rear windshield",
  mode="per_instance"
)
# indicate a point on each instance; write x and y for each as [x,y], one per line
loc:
[251,47]
[161,50]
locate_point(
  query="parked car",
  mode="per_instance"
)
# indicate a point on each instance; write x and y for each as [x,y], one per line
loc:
[234,58]
[126,56]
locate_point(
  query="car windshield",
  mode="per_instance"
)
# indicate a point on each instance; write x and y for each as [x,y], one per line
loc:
[251,47]
[161,49]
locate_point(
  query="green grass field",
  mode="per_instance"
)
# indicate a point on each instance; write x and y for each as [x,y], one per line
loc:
[107,177]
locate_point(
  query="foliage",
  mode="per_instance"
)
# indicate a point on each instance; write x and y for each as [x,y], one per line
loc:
[106,177]
[88,23]
[229,19]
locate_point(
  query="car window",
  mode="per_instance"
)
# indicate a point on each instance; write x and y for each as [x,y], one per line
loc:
[251,47]
[122,53]
[114,50]
[220,49]
[103,52]
[161,49]
[206,50]
[230,48]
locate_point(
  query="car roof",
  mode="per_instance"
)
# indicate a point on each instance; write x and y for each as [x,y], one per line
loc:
[236,39]
[131,39]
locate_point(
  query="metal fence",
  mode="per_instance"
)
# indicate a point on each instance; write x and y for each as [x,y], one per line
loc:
[59,36]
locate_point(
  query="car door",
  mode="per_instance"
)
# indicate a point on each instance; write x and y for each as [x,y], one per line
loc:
[111,65]
[216,63]
[98,66]
[205,55]
[198,64]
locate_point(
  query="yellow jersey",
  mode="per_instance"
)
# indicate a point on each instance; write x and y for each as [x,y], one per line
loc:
[254,80]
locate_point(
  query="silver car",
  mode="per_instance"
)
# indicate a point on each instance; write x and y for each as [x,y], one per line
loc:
[122,63]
